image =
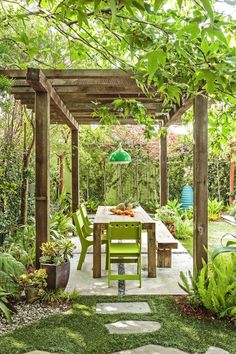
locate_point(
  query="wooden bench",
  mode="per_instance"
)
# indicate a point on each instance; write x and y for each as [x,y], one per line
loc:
[165,243]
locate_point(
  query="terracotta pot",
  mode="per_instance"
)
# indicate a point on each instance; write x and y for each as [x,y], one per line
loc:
[58,275]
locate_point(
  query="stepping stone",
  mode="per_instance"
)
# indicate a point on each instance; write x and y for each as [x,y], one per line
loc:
[132,327]
[152,349]
[216,350]
[39,352]
[123,307]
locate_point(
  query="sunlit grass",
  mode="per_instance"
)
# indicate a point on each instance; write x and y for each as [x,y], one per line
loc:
[83,330]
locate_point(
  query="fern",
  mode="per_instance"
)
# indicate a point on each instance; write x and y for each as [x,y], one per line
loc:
[9,265]
[10,270]
[217,287]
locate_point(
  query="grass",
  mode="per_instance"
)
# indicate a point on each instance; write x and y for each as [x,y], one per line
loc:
[83,331]
[216,229]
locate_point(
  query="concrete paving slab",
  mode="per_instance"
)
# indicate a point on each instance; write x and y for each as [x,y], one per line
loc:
[166,282]
[216,350]
[133,327]
[123,307]
[152,349]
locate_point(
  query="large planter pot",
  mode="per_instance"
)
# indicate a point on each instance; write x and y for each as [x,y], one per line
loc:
[58,275]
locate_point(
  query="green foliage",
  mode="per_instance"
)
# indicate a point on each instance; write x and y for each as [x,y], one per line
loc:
[92,205]
[21,244]
[214,287]
[4,304]
[61,226]
[127,108]
[5,84]
[10,270]
[215,209]
[184,228]
[36,279]
[173,213]
[57,252]
[59,297]
[229,247]
[232,210]
[217,286]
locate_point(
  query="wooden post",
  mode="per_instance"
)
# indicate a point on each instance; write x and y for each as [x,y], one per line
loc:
[200,236]
[163,171]
[75,169]
[42,186]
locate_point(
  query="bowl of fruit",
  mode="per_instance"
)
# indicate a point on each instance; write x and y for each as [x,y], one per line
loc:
[125,208]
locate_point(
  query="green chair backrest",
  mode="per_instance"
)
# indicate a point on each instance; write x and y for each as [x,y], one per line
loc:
[125,230]
[84,213]
[79,224]
[84,210]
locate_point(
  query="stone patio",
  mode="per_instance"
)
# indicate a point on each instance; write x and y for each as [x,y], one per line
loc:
[166,282]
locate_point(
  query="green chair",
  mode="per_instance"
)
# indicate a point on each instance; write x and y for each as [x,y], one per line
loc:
[86,239]
[124,252]
[87,224]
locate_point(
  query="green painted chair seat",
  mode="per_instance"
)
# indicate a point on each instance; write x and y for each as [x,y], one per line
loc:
[124,248]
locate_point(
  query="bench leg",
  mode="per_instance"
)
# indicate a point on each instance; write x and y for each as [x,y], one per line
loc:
[164,258]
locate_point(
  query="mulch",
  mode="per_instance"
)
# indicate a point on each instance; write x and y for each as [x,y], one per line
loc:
[200,312]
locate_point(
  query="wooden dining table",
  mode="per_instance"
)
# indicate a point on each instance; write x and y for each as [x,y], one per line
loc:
[101,221]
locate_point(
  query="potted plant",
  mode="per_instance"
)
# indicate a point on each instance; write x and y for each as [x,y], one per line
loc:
[34,284]
[55,260]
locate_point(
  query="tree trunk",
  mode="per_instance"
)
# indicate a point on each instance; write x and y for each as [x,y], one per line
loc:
[61,173]
[25,178]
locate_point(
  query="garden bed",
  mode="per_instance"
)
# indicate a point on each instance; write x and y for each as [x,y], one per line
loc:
[28,313]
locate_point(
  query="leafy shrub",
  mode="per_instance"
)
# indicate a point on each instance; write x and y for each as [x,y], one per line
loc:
[21,244]
[175,206]
[217,286]
[4,304]
[92,205]
[214,209]
[166,214]
[57,252]
[184,228]
[229,247]
[10,270]
[61,226]
[232,210]
[214,287]
[60,296]
[36,279]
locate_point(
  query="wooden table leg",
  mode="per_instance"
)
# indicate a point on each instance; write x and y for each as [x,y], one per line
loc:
[97,251]
[152,251]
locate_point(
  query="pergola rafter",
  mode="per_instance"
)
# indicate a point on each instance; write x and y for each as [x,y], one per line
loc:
[71,97]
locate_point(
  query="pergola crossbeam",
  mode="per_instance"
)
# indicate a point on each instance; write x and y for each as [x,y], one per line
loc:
[39,83]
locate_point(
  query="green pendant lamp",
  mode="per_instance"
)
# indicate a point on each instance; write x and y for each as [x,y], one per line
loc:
[120,157]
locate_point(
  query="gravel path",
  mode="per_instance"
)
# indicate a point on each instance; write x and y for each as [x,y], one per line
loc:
[29,313]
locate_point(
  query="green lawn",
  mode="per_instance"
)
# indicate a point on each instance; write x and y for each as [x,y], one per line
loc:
[216,230]
[83,331]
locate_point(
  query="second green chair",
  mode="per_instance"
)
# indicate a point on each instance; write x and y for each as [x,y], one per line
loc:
[86,239]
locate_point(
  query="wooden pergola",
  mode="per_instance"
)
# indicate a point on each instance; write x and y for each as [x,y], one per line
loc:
[70,97]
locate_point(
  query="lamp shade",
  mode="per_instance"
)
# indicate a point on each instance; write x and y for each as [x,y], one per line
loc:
[120,157]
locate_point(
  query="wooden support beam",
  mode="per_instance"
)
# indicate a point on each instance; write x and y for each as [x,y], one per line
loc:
[39,82]
[75,185]
[42,187]
[163,171]
[200,236]
[177,112]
